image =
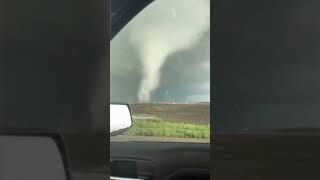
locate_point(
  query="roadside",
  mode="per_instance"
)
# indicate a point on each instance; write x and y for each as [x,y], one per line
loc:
[161,128]
[157,139]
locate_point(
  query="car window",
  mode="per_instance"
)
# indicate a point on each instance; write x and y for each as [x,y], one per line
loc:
[160,65]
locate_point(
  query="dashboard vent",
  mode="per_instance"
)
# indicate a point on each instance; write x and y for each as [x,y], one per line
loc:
[128,169]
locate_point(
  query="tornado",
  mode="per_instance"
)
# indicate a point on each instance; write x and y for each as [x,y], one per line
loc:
[163,28]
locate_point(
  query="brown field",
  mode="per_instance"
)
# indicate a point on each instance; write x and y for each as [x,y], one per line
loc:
[198,113]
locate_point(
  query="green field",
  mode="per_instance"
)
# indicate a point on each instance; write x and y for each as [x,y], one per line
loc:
[160,128]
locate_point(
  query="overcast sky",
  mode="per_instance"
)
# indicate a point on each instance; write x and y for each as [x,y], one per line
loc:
[163,55]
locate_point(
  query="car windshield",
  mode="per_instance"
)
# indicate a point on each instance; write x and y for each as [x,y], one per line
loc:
[160,65]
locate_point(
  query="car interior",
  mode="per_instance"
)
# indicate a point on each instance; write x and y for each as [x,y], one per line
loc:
[265,110]
[146,160]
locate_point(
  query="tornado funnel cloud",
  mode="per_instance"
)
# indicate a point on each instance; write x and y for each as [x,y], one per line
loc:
[162,29]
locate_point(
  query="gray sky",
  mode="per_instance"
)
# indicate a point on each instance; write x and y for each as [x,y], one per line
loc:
[163,53]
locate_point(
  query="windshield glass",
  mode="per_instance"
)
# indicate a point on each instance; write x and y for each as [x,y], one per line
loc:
[160,65]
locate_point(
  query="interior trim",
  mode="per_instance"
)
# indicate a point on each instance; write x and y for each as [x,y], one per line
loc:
[188,171]
[123,178]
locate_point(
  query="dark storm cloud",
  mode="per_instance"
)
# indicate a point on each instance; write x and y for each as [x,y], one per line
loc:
[184,75]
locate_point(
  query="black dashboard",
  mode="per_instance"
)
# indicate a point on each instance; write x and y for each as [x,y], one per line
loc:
[160,160]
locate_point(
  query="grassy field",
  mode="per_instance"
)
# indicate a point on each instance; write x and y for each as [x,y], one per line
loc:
[160,128]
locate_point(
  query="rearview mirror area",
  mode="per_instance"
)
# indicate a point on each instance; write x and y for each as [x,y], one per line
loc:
[32,157]
[120,118]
